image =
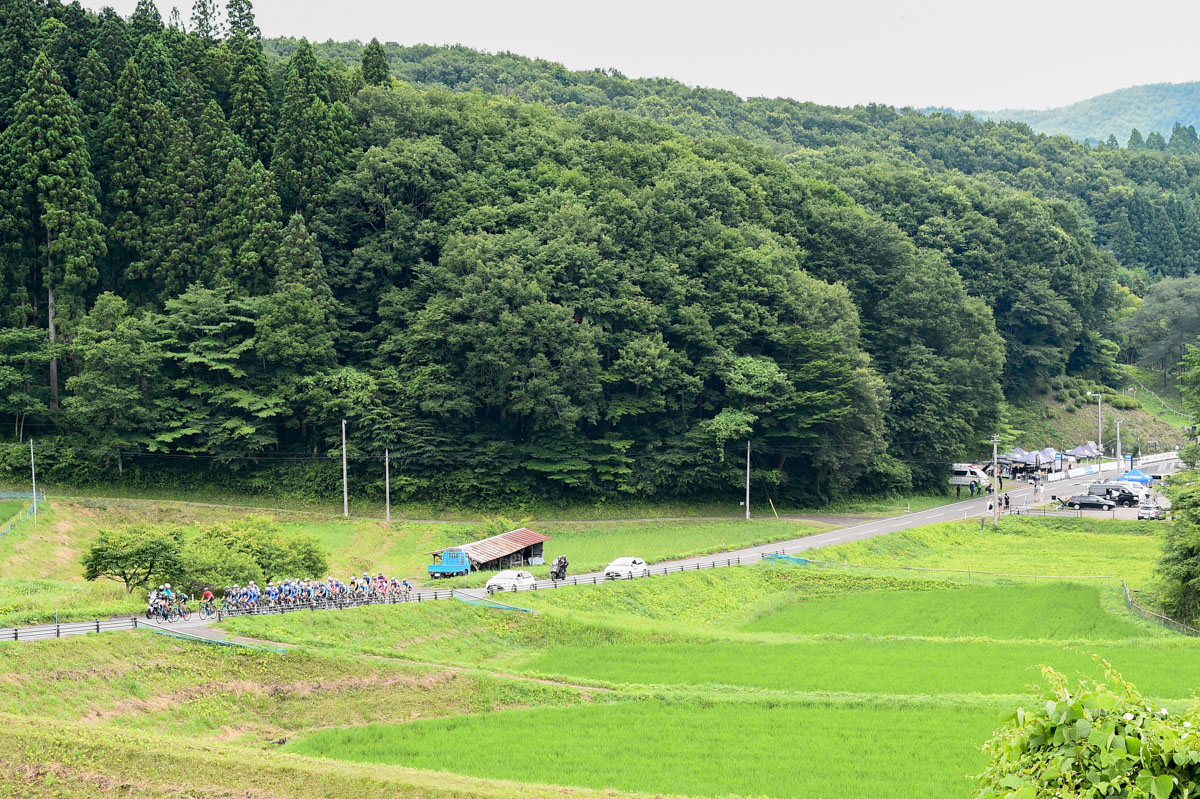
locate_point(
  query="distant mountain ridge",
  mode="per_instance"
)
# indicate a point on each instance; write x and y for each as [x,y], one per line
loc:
[1152,107]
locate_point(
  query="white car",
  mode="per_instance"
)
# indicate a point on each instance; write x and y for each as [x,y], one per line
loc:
[509,580]
[626,569]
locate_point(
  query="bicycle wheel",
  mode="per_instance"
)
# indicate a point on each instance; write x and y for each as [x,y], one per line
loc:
[186,614]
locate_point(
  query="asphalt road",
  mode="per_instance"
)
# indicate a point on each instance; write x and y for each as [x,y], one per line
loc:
[965,509]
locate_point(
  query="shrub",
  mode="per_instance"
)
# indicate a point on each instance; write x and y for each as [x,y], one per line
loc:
[1090,739]
[1076,393]
[1063,396]
[1057,384]
[1125,403]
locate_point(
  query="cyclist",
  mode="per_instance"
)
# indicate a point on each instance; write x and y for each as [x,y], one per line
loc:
[181,601]
[166,598]
[407,587]
[207,600]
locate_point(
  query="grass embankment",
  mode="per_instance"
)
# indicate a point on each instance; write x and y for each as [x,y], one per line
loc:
[154,683]
[722,509]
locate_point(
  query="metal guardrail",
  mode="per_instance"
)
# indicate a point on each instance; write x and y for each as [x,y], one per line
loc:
[40,632]
[1149,615]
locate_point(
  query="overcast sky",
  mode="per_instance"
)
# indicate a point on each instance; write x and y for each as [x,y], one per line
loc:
[959,53]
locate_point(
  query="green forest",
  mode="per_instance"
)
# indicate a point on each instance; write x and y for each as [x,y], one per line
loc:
[525,282]
[1152,108]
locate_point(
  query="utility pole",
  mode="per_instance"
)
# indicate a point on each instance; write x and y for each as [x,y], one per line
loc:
[995,482]
[747,479]
[1120,460]
[387,487]
[33,478]
[345,483]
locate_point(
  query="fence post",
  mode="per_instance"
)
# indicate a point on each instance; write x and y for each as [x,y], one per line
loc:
[97,625]
[57,630]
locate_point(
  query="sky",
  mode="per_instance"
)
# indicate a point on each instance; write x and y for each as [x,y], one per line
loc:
[961,54]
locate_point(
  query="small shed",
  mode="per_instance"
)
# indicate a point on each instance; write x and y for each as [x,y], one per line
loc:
[520,547]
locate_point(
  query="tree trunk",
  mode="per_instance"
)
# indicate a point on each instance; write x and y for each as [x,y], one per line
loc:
[53,357]
[50,323]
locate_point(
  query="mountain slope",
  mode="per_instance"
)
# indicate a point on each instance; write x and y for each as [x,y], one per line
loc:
[1153,107]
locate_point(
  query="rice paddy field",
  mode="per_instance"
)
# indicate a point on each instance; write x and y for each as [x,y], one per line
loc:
[774,680]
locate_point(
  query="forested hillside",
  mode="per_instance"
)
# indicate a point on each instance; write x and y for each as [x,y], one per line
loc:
[1153,108]
[1137,198]
[559,286]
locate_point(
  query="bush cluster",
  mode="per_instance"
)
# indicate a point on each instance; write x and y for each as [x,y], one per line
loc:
[1093,740]
[252,549]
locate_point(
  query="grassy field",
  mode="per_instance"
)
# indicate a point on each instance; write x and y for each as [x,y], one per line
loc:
[784,749]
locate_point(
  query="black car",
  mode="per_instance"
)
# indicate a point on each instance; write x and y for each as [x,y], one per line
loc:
[1089,502]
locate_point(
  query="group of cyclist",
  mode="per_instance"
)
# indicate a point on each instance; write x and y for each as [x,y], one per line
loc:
[168,604]
[164,603]
[290,593]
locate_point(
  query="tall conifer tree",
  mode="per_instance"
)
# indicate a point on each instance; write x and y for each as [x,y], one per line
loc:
[375,69]
[131,143]
[112,41]
[54,173]
[18,45]
[240,17]
[251,115]
[94,91]
[145,21]
[157,70]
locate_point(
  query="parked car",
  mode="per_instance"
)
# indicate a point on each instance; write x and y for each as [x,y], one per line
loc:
[1120,493]
[1151,513]
[1089,502]
[626,569]
[509,580]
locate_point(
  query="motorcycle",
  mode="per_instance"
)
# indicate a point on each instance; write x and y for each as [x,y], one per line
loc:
[558,569]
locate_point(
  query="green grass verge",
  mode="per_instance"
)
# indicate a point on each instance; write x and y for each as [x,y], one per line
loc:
[709,749]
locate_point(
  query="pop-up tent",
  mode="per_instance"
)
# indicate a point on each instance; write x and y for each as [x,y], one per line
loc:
[1088,450]
[1135,476]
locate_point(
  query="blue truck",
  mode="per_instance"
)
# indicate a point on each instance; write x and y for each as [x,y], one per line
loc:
[450,563]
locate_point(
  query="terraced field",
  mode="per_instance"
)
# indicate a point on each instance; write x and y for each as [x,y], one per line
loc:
[773,680]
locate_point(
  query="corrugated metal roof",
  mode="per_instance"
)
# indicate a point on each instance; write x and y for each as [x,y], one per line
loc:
[499,546]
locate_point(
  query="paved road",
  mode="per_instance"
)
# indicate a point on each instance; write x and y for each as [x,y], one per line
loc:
[965,509]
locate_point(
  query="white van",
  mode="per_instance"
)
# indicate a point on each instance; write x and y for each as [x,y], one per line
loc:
[963,474]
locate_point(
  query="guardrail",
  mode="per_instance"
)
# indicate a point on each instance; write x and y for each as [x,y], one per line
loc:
[1149,615]
[40,632]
